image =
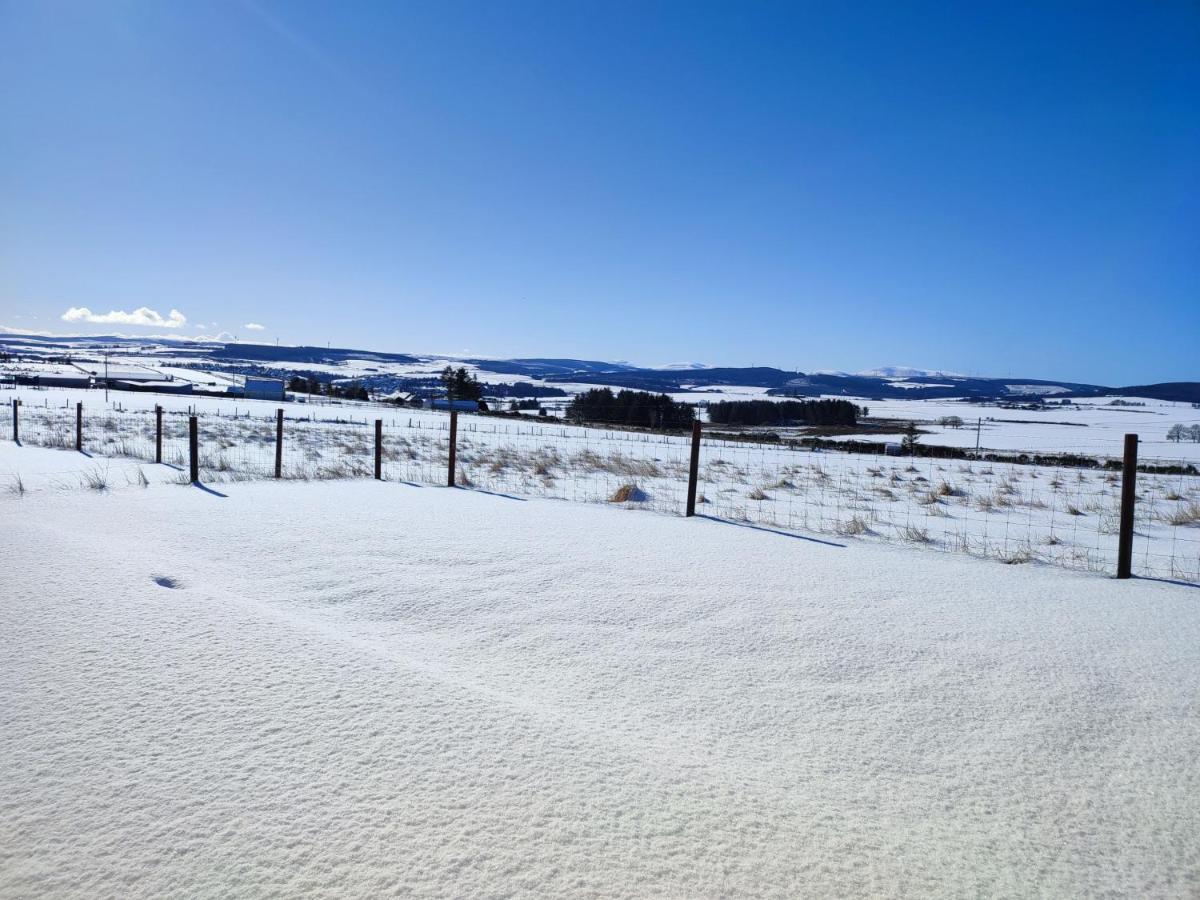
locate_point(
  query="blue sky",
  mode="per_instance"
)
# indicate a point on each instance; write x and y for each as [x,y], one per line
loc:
[995,188]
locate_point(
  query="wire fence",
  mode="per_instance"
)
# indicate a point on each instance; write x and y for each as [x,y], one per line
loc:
[1065,515]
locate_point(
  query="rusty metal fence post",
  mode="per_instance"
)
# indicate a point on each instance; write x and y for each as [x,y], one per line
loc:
[158,411]
[379,449]
[194,449]
[1128,500]
[450,479]
[693,469]
[79,427]
[279,443]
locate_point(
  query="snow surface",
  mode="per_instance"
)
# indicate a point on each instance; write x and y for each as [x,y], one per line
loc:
[360,688]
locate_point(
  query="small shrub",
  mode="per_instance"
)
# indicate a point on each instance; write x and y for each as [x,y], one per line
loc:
[758,494]
[915,535]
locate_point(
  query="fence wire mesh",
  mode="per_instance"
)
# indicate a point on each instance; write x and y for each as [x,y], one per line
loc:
[1058,514]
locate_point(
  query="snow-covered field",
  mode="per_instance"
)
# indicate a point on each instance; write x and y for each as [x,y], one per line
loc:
[361,688]
[1014,513]
[1093,427]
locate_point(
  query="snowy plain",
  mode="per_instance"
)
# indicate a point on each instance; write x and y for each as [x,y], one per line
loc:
[1007,511]
[365,689]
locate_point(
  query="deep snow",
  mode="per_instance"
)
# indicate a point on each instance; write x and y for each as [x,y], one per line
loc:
[360,688]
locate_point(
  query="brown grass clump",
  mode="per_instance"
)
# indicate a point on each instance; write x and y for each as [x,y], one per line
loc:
[1017,557]
[629,493]
[852,526]
[915,535]
[1185,515]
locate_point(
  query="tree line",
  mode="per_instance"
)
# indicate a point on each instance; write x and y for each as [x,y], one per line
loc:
[349,390]
[782,412]
[630,408]
[1184,433]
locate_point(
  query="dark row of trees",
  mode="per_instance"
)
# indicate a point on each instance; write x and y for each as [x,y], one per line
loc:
[630,408]
[784,412]
[351,390]
[459,384]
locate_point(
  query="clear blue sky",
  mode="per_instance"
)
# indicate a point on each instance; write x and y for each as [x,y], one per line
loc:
[997,188]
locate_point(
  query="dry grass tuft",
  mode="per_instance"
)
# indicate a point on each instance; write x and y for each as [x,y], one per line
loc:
[852,526]
[1185,515]
[629,493]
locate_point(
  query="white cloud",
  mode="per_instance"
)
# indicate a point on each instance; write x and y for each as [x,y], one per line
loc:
[141,316]
[254,326]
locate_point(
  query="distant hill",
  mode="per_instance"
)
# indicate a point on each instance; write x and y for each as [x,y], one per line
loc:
[1180,391]
[885,383]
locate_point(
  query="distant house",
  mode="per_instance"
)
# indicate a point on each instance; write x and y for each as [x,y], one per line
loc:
[893,449]
[55,379]
[460,405]
[263,388]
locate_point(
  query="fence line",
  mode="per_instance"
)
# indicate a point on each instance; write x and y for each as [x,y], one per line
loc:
[1143,520]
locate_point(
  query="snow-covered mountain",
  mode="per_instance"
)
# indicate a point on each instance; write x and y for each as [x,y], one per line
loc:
[907,372]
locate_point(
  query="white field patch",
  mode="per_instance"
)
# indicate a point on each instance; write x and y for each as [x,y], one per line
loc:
[366,689]
[1092,427]
[1012,513]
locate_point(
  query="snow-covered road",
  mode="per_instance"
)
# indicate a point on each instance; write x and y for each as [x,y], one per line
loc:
[365,689]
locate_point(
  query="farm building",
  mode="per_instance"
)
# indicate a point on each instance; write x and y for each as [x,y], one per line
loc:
[460,405]
[54,379]
[263,388]
[157,387]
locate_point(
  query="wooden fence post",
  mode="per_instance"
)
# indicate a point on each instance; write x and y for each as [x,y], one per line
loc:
[279,443]
[1128,499]
[16,427]
[194,449]
[453,447]
[158,433]
[379,449]
[693,469]
[79,427]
